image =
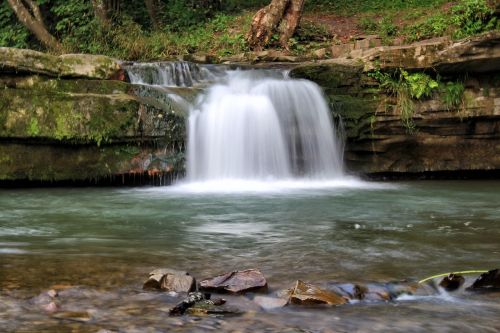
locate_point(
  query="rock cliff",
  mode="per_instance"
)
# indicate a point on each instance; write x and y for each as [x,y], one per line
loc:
[448,141]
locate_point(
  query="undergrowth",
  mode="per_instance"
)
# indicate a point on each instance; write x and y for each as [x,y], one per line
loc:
[466,18]
[406,88]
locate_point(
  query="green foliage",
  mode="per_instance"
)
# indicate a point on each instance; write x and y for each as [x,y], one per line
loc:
[387,28]
[12,33]
[406,88]
[368,24]
[466,18]
[472,17]
[452,94]
[352,7]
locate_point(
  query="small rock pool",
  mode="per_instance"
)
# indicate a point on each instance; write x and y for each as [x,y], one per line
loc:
[96,246]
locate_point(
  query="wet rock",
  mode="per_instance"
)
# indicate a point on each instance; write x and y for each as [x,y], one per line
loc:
[308,294]
[452,282]
[170,280]
[200,300]
[50,307]
[236,282]
[78,316]
[489,280]
[47,301]
[268,303]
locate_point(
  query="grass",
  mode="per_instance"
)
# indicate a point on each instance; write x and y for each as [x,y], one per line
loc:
[222,35]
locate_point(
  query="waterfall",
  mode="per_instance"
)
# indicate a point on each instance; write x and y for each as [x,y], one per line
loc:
[251,125]
[259,128]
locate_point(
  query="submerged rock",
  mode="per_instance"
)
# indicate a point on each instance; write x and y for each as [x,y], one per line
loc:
[308,294]
[236,282]
[170,280]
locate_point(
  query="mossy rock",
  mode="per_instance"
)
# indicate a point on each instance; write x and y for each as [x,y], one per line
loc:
[82,111]
[67,116]
[69,65]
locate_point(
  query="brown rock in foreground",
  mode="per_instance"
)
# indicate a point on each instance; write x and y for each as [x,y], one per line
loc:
[236,282]
[170,280]
[308,294]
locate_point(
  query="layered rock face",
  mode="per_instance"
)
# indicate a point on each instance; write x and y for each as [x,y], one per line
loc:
[71,119]
[448,141]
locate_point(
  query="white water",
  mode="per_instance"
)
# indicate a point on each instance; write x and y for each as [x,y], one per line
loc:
[169,74]
[262,129]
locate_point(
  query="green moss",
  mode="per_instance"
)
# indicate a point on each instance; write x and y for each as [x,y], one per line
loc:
[356,113]
[33,129]
[66,116]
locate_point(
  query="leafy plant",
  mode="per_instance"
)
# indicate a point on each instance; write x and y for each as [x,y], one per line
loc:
[406,88]
[472,17]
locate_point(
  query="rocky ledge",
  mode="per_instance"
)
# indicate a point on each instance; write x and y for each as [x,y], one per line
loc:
[457,141]
[73,119]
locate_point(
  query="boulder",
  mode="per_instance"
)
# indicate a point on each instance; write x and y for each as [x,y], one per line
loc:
[308,294]
[236,282]
[170,280]
[68,65]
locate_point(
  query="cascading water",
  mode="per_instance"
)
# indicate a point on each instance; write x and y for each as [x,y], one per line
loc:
[251,125]
[255,128]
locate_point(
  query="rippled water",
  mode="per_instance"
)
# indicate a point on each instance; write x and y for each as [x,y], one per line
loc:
[97,246]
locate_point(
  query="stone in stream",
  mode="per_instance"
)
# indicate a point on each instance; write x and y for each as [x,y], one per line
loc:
[308,294]
[236,282]
[487,281]
[452,282]
[47,301]
[170,280]
[200,301]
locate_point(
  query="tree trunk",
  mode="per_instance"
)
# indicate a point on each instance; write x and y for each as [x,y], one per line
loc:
[290,21]
[281,15]
[101,12]
[265,22]
[152,7]
[33,22]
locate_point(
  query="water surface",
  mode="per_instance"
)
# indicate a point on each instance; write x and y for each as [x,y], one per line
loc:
[97,246]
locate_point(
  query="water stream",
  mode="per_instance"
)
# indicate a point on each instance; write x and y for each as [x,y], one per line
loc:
[284,206]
